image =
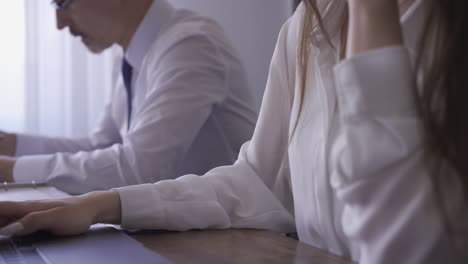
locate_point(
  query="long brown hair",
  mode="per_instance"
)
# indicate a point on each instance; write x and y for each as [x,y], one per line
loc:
[311,12]
[442,97]
[442,100]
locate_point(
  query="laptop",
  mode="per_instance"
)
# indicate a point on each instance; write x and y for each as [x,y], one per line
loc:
[103,244]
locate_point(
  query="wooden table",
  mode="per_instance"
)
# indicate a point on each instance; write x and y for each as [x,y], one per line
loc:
[234,246]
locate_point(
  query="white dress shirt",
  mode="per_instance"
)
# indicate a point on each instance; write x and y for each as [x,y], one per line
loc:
[192,111]
[351,181]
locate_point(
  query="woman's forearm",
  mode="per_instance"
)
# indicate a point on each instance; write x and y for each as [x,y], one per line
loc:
[107,205]
[373,24]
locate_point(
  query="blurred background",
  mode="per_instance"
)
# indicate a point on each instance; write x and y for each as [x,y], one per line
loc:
[51,85]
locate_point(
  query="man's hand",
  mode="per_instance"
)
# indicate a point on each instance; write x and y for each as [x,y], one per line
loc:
[7,144]
[70,216]
[373,24]
[6,169]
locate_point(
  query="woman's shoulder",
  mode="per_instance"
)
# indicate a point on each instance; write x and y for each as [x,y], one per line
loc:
[290,31]
[286,52]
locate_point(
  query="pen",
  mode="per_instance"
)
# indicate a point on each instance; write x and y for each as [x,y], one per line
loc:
[8,185]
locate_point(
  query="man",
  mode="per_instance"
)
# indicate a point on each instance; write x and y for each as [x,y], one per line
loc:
[181,105]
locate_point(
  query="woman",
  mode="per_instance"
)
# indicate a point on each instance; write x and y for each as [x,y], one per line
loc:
[340,151]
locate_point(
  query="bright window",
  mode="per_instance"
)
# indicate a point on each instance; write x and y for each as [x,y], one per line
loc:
[12,52]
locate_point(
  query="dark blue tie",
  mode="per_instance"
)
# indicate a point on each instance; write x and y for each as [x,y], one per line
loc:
[127,73]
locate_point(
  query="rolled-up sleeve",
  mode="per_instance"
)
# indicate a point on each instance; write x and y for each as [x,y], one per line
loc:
[381,175]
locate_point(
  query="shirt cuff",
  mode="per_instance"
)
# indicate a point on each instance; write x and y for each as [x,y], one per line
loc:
[379,82]
[31,168]
[138,208]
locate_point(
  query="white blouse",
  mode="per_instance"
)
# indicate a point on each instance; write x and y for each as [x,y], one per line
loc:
[351,180]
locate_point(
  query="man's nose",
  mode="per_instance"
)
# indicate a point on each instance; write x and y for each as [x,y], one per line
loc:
[61,20]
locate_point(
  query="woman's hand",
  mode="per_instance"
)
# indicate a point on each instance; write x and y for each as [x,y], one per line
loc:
[373,24]
[7,166]
[70,216]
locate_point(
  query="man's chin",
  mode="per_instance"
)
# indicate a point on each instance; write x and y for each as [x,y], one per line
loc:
[92,47]
[95,50]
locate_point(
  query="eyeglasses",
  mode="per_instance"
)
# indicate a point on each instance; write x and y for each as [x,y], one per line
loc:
[61,5]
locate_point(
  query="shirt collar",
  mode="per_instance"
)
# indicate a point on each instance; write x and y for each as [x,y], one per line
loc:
[147,32]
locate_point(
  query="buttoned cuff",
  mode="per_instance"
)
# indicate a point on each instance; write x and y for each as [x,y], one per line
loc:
[31,168]
[138,208]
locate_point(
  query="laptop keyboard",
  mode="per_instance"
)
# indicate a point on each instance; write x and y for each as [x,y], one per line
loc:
[19,252]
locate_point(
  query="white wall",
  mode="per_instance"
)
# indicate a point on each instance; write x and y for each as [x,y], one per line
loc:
[252,26]
[11,65]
